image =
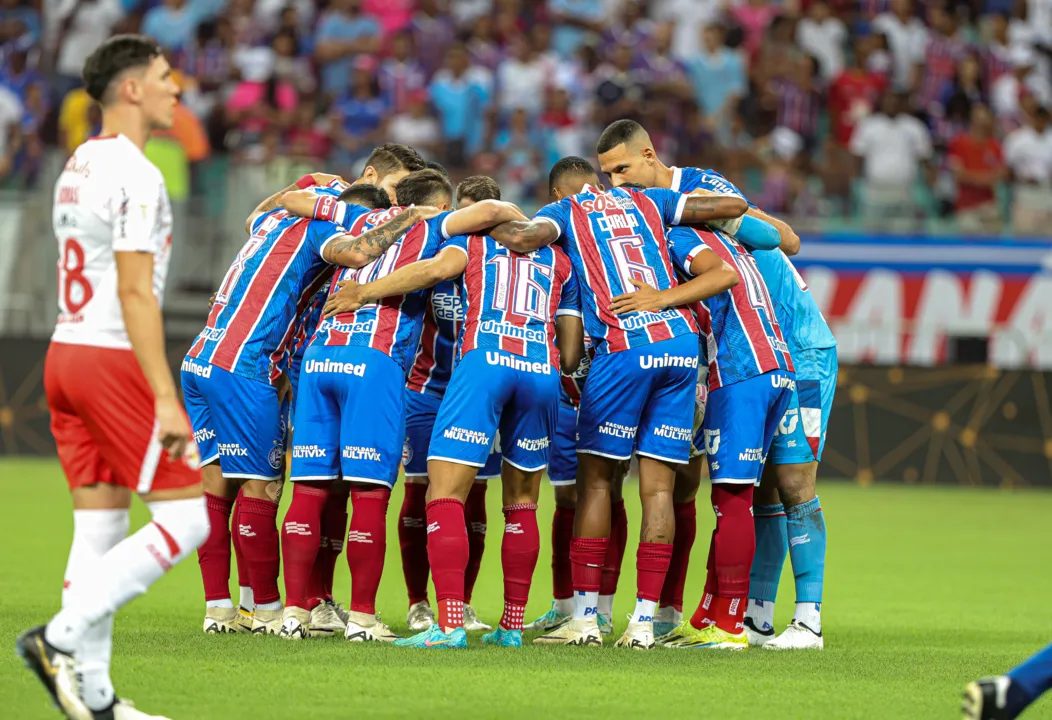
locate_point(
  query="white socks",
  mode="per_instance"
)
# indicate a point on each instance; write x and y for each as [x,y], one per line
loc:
[584,605]
[606,606]
[95,532]
[225,603]
[810,614]
[564,606]
[762,613]
[644,611]
[246,599]
[130,567]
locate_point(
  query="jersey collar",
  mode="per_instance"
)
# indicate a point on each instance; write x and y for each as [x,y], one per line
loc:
[677,176]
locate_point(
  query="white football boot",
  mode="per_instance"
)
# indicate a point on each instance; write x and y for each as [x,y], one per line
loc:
[758,636]
[325,620]
[367,628]
[295,624]
[219,621]
[420,616]
[576,632]
[638,636]
[796,637]
[267,622]
[472,622]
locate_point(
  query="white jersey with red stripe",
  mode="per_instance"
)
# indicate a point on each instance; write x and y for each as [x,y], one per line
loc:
[612,238]
[108,199]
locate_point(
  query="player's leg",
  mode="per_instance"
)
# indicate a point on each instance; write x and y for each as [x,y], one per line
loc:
[606,427]
[1005,697]
[213,556]
[326,617]
[772,544]
[662,443]
[246,602]
[116,407]
[421,409]
[796,452]
[615,551]
[460,445]
[528,422]
[475,519]
[562,474]
[372,432]
[684,493]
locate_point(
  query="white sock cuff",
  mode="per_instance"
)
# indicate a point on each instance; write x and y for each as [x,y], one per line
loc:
[185,521]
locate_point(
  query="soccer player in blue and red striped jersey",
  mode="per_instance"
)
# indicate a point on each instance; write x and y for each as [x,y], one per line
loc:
[506,379]
[250,327]
[427,384]
[370,347]
[640,392]
[785,504]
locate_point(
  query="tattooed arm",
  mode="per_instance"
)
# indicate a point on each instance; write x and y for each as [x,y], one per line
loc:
[703,208]
[271,203]
[358,251]
[525,237]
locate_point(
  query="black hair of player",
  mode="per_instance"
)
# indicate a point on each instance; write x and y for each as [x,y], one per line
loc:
[632,186]
[424,187]
[432,165]
[478,188]
[616,133]
[394,157]
[571,165]
[366,195]
[113,57]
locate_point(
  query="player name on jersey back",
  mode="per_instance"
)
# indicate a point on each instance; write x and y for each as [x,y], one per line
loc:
[108,199]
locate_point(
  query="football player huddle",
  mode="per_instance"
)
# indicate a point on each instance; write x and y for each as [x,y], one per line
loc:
[401,322]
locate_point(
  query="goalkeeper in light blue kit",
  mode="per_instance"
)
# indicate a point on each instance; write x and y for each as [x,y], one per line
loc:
[1005,697]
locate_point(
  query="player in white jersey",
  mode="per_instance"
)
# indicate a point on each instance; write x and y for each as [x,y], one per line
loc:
[117,420]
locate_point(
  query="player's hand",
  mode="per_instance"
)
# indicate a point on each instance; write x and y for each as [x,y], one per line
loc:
[347,299]
[323,179]
[173,429]
[426,212]
[284,387]
[644,299]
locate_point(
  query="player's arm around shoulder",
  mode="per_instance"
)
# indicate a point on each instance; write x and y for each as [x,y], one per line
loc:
[788,240]
[480,216]
[357,251]
[448,264]
[700,208]
[525,236]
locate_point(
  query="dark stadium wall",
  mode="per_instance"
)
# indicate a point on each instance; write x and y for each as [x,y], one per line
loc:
[953,425]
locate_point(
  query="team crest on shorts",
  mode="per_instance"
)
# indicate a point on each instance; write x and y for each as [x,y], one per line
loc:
[274,458]
[407,452]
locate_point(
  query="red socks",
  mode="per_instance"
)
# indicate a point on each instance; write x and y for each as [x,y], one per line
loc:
[333,530]
[586,557]
[412,538]
[300,533]
[235,535]
[518,555]
[447,551]
[214,554]
[259,544]
[475,517]
[652,561]
[615,552]
[366,546]
[562,531]
[730,557]
[686,531]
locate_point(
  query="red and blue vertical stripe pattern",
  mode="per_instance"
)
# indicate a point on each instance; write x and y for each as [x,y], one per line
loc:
[612,238]
[436,354]
[511,300]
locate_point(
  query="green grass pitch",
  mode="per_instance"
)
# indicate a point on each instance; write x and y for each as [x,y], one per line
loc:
[926,589]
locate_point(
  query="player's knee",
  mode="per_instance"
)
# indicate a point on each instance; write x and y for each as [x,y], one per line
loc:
[566,496]
[688,481]
[796,483]
[256,489]
[185,521]
[767,495]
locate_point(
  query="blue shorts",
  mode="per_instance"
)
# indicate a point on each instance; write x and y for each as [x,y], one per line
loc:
[236,420]
[641,400]
[350,416]
[562,467]
[740,421]
[421,409]
[801,434]
[484,397]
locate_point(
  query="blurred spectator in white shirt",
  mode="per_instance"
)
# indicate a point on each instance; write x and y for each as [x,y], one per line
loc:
[417,126]
[906,36]
[521,80]
[892,147]
[823,35]
[1028,154]
[690,16]
[1007,91]
[78,27]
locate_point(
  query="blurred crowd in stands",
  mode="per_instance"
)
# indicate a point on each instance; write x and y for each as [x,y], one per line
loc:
[817,108]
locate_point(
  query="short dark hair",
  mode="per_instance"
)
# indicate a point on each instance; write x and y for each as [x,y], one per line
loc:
[571,165]
[394,157]
[616,133]
[432,165]
[478,188]
[632,186]
[366,195]
[113,57]
[424,187]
